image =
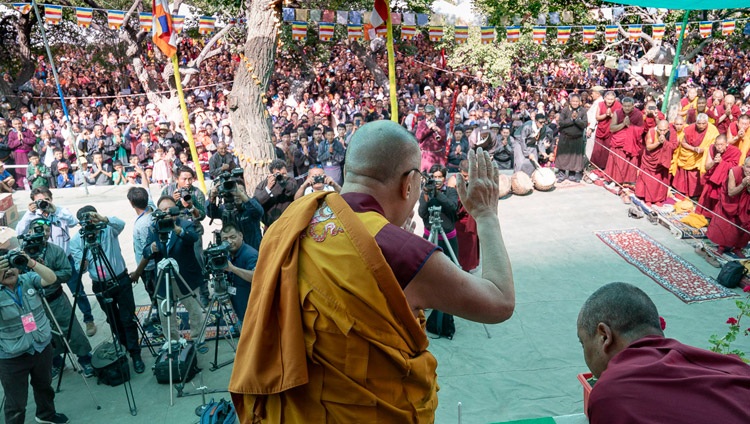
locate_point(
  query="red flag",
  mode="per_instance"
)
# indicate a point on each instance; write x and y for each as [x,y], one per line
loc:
[379,13]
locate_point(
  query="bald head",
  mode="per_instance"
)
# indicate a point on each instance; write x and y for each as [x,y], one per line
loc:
[663,125]
[380,151]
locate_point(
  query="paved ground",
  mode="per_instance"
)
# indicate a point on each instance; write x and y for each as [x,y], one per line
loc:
[526,369]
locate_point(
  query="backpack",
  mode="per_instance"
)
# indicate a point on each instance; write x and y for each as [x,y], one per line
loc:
[109,367]
[221,412]
[731,274]
[441,324]
[184,364]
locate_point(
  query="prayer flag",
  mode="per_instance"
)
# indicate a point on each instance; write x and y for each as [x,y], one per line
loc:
[301,15]
[563,34]
[84,16]
[705,28]
[24,8]
[381,31]
[410,19]
[355,17]
[325,30]
[315,15]
[52,14]
[354,32]
[512,33]
[342,17]
[146,20]
[589,34]
[287,14]
[329,16]
[540,33]
[727,26]
[436,33]
[610,33]
[488,34]
[408,32]
[380,12]
[206,24]
[634,32]
[165,34]
[299,31]
[115,18]
[178,22]
[461,34]
[657,31]
[422,19]
[678,29]
[395,18]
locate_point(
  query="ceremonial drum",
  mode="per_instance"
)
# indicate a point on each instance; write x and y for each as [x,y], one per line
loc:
[544,179]
[504,185]
[521,184]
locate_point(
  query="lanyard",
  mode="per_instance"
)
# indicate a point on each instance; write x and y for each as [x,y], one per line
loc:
[18,301]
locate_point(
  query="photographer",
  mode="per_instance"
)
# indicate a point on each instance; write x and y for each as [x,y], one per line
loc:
[114,292]
[242,261]
[432,138]
[247,211]
[34,244]
[437,193]
[317,180]
[173,237]
[25,349]
[141,202]
[276,193]
[60,221]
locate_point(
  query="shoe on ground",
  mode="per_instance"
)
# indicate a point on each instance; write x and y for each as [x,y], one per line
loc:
[561,176]
[87,370]
[56,371]
[138,366]
[55,419]
[90,329]
[576,177]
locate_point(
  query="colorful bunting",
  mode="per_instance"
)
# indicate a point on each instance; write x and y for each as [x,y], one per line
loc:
[84,16]
[727,26]
[657,31]
[408,32]
[589,34]
[381,31]
[461,34]
[299,30]
[512,33]
[540,33]
[354,32]
[146,21]
[115,18]
[436,33]
[24,8]
[678,29]
[705,28]
[52,14]
[610,33]
[488,34]
[563,34]
[325,30]
[634,32]
[178,22]
[206,24]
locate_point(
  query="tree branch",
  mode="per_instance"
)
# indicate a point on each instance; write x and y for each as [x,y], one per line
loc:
[697,49]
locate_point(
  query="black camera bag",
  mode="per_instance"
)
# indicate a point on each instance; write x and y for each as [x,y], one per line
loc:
[441,324]
[109,367]
[731,274]
[184,364]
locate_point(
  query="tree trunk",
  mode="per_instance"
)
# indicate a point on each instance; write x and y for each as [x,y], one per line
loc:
[371,63]
[251,123]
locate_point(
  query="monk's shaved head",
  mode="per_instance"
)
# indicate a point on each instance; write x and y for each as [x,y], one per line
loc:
[663,124]
[381,151]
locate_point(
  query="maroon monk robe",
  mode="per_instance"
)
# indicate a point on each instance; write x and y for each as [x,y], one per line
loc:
[732,211]
[652,184]
[432,144]
[625,146]
[688,181]
[720,111]
[651,121]
[600,153]
[714,178]
[468,240]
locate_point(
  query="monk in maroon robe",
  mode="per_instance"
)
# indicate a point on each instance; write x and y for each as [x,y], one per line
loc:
[688,163]
[652,184]
[432,138]
[720,159]
[692,114]
[724,114]
[466,227]
[651,117]
[607,108]
[733,211]
[738,135]
[626,143]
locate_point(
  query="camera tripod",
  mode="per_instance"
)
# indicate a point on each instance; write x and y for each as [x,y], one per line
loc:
[167,275]
[108,288]
[437,233]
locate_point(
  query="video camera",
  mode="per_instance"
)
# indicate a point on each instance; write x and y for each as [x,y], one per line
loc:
[217,261]
[227,182]
[16,259]
[430,184]
[185,194]
[91,231]
[33,243]
[164,221]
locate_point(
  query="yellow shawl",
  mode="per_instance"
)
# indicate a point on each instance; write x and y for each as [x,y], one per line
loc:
[689,160]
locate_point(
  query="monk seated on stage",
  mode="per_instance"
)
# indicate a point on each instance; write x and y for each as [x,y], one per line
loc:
[334,330]
[720,159]
[688,162]
[730,229]
[652,183]
[646,378]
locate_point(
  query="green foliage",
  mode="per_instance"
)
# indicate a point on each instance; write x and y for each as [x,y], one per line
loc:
[724,344]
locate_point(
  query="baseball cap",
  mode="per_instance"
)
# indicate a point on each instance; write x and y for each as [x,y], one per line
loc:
[429,109]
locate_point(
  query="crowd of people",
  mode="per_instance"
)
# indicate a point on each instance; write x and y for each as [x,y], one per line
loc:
[454,134]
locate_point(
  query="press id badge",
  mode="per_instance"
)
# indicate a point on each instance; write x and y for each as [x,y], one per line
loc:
[29,323]
[329,163]
[232,290]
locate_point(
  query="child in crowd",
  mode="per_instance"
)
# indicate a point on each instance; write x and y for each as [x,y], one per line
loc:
[6,180]
[162,167]
[65,178]
[36,173]
[118,175]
